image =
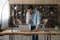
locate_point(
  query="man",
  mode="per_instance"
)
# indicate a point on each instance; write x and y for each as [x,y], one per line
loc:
[33,19]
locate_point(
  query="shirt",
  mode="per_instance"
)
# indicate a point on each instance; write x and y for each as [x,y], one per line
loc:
[35,18]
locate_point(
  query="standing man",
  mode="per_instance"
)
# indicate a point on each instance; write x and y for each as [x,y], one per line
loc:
[33,19]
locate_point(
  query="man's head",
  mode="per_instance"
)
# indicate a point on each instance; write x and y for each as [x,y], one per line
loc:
[30,9]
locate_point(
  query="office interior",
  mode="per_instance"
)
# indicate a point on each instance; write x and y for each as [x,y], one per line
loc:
[13,17]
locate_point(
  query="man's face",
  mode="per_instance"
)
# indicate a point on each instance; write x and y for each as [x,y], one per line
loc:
[30,10]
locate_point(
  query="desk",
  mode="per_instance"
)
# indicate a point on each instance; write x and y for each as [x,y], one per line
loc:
[48,33]
[51,32]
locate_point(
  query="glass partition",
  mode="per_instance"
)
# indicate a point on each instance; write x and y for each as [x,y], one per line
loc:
[47,11]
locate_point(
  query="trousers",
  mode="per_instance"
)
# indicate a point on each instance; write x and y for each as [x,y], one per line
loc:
[34,36]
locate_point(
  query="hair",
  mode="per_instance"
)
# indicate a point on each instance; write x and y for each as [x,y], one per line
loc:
[30,7]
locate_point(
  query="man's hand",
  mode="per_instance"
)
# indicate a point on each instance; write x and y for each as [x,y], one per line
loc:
[35,30]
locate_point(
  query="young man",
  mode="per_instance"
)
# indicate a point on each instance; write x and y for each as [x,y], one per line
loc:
[33,19]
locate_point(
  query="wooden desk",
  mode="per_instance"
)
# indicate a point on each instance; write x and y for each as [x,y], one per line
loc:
[8,32]
[48,33]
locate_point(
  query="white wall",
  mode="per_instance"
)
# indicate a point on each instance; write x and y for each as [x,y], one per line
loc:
[4,13]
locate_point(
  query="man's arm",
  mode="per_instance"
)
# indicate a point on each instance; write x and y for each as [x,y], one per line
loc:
[38,21]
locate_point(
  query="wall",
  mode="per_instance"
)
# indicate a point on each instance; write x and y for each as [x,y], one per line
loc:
[34,1]
[4,13]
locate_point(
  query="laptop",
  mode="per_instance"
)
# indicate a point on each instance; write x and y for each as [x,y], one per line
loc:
[24,28]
